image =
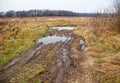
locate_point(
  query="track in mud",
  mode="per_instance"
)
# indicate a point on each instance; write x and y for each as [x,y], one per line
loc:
[61,37]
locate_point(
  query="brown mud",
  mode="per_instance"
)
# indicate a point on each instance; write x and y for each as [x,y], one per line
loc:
[61,62]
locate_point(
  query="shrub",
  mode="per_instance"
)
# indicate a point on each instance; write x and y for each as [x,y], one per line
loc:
[116,16]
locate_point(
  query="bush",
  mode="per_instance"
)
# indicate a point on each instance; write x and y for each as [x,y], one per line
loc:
[116,16]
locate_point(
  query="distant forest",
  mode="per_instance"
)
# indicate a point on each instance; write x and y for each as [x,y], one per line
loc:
[40,13]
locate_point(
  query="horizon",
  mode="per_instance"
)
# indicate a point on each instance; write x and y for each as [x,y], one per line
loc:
[91,6]
[57,10]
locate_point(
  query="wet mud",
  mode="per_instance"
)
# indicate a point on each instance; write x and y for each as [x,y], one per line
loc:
[58,40]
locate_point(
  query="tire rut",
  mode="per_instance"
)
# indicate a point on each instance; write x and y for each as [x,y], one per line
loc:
[56,72]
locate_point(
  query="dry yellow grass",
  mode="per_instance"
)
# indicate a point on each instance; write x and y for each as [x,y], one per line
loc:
[105,50]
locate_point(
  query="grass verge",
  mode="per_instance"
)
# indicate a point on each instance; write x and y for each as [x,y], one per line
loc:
[105,51]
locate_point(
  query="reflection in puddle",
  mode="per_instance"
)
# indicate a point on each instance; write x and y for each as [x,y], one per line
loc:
[63,28]
[82,41]
[53,39]
[57,37]
[82,47]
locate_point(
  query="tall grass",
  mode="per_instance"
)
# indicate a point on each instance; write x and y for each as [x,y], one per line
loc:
[98,24]
[102,24]
[115,25]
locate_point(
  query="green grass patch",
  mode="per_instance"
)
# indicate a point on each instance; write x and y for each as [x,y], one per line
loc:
[23,40]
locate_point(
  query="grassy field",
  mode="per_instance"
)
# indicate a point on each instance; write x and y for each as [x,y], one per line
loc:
[18,34]
[105,51]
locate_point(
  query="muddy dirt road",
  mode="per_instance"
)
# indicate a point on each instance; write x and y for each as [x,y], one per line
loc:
[53,59]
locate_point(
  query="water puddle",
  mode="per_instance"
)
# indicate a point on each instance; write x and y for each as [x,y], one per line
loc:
[82,47]
[82,43]
[57,36]
[63,28]
[53,39]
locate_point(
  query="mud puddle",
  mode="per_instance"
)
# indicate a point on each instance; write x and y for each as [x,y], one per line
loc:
[55,36]
[53,39]
[63,28]
[63,61]
[82,44]
[60,37]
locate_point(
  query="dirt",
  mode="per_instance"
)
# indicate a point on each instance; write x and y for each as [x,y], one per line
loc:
[62,62]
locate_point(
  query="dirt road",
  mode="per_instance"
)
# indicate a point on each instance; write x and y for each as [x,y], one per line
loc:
[55,58]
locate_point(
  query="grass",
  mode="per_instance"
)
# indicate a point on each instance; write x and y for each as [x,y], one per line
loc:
[27,73]
[33,68]
[105,50]
[24,39]
[115,22]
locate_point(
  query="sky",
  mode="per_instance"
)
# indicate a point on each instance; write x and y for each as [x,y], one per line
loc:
[82,6]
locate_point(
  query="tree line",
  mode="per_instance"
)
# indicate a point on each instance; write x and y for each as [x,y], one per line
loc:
[39,13]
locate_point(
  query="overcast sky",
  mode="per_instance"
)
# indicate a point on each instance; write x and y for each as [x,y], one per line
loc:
[72,5]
